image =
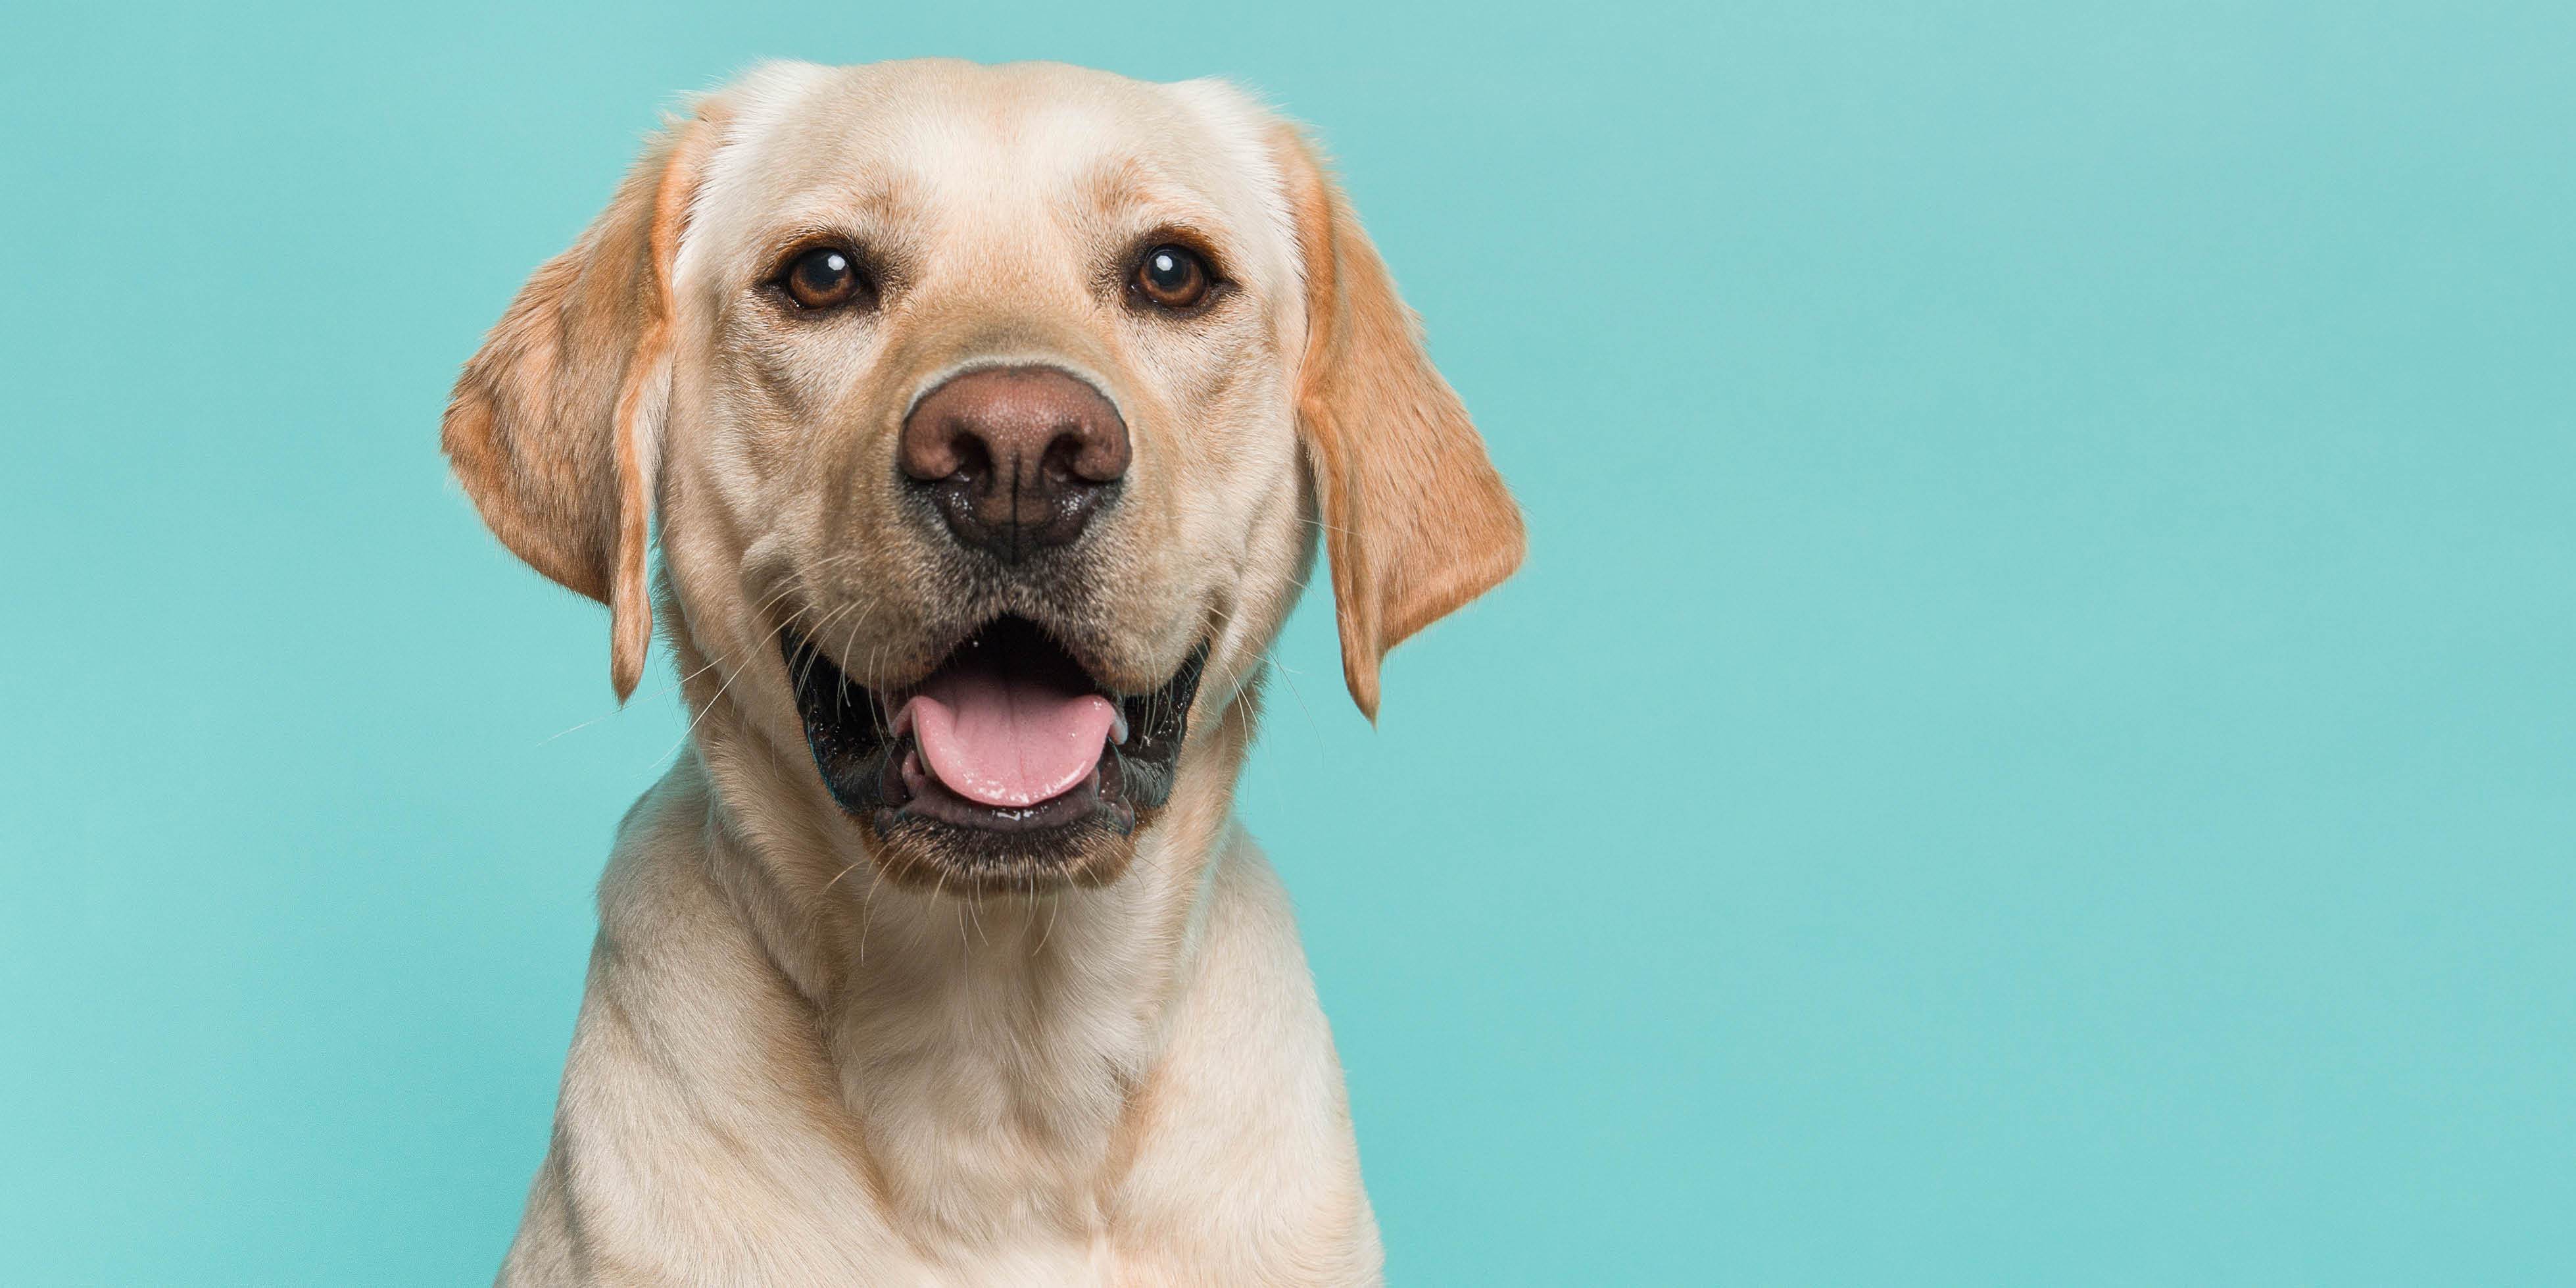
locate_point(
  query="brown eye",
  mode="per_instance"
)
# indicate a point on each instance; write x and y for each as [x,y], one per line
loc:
[823,277]
[1173,277]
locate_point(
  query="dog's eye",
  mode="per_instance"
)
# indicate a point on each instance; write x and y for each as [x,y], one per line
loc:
[823,277]
[1173,277]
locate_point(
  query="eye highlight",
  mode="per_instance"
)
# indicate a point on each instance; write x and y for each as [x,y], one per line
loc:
[1172,276]
[824,277]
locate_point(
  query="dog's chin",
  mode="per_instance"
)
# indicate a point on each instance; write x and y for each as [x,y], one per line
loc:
[912,770]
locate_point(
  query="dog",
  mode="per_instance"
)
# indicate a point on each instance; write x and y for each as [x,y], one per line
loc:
[989,416]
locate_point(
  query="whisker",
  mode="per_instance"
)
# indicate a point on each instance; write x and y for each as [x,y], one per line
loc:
[1055,904]
[867,913]
[620,710]
[836,878]
[700,717]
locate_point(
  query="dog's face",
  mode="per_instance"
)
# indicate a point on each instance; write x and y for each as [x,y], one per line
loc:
[986,412]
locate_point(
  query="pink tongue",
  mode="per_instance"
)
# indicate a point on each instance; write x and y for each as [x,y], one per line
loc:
[1007,739]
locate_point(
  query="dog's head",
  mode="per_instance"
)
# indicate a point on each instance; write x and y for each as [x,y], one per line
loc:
[988,414]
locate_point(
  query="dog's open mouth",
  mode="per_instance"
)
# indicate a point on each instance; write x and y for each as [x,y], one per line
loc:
[1007,753]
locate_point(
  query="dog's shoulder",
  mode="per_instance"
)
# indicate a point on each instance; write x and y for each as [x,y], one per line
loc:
[696,1088]
[1249,1081]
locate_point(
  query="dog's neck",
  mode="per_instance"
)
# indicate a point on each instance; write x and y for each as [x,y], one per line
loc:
[988,1051]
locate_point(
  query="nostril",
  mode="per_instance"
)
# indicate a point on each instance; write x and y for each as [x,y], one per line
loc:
[969,457]
[1064,460]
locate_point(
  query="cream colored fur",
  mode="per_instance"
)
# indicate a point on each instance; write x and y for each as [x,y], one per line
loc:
[789,1069]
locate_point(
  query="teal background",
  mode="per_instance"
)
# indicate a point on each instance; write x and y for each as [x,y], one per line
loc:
[2033,747]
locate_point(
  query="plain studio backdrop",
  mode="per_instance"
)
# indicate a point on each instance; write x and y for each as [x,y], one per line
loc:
[2036,743]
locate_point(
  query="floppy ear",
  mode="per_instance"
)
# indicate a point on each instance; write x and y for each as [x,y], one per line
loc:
[1416,520]
[555,427]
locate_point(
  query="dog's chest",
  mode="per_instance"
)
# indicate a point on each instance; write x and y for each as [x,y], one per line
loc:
[1002,1104]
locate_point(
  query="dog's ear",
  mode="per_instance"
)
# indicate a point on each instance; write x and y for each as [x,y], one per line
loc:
[1416,519]
[555,427]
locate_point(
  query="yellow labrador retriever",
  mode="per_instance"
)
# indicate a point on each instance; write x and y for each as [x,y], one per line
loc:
[989,415]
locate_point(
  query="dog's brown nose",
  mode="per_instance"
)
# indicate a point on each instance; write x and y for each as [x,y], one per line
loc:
[1015,458]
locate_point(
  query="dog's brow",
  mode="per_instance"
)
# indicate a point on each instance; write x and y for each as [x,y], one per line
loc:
[1130,189]
[851,209]
[1117,185]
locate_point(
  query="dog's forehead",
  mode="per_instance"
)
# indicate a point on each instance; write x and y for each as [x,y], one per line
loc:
[961,145]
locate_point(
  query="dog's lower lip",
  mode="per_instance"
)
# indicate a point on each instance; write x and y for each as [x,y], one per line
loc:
[929,798]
